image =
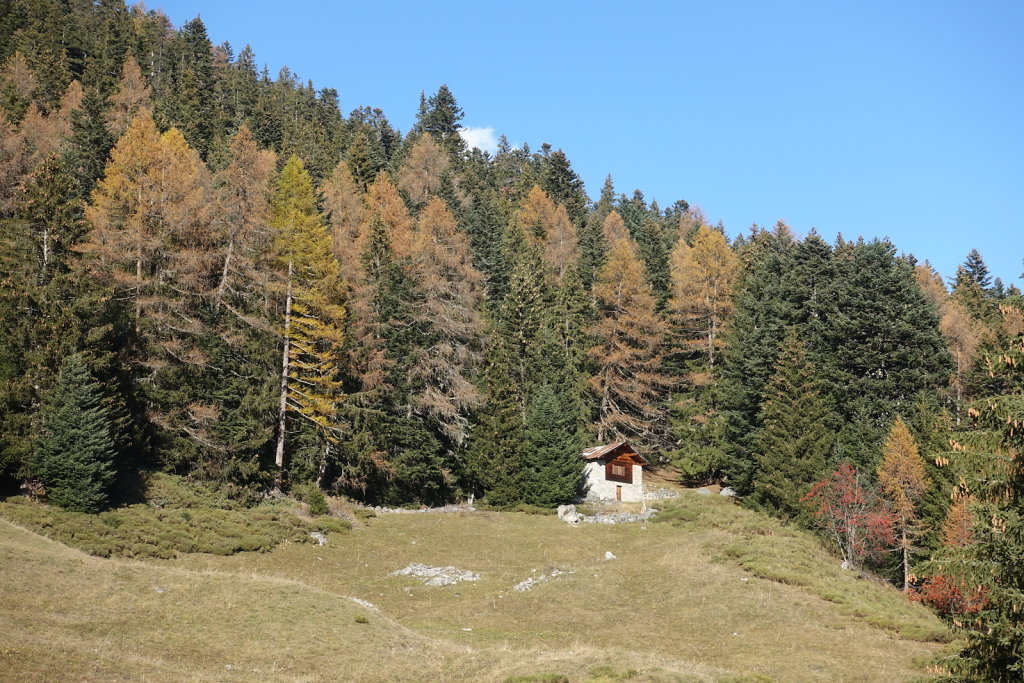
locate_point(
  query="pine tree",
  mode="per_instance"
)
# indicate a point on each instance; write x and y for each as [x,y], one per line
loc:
[187,104]
[653,245]
[975,270]
[990,470]
[18,86]
[496,453]
[75,449]
[86,151]
[795,437]
[38,327]
[485,224]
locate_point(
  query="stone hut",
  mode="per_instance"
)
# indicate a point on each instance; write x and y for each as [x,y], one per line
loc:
[614,472]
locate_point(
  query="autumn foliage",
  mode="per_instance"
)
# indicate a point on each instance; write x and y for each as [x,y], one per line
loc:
[852,516]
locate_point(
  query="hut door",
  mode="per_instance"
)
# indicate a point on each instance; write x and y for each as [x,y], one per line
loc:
[618,493]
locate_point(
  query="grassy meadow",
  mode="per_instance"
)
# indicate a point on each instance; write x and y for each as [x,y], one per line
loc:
[705,592]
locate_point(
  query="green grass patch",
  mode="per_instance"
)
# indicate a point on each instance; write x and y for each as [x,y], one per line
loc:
[143,531]
[768,549]
[711,592]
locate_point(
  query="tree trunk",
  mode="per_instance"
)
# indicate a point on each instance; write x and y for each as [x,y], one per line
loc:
[46,254]
[224,274]
[906,559]
[283,406]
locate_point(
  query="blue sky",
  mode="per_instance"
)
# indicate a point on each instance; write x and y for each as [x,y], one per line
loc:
[899,119]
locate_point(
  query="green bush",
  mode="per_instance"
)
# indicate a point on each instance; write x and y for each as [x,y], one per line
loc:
[312,496]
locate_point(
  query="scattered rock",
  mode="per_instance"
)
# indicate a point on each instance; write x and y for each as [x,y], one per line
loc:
[436,576]
[319,538]
[704,491]
[365,603]
[567,513]
[608,555]
[728,491]
[529,583]
[419,511]
[160,590]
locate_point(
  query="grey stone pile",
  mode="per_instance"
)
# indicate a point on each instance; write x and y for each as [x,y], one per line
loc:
[436,576]
[618,517]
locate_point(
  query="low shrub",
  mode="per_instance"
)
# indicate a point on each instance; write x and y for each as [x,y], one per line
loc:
[313,497]
[143,531]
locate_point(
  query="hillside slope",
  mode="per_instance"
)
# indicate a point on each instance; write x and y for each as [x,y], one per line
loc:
[675,604]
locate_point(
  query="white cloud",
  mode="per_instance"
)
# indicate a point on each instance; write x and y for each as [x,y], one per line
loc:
[480,137]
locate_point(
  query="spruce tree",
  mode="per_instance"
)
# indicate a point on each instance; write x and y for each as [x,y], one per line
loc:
[564,186]
[994,630]
[754,336]
[884,346]
[439,116]
[593,248]
[553,450]
[75,451]
[796,434]
[85,152]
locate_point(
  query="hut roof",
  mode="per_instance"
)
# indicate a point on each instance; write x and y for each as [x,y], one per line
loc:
[611,451]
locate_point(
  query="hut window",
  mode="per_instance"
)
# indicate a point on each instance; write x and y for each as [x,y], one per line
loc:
[619,471]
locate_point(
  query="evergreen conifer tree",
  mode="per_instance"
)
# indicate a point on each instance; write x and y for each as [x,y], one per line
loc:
[75,450]
[552,450]
[795,437]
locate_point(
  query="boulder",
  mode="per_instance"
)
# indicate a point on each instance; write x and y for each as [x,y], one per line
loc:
[568,514]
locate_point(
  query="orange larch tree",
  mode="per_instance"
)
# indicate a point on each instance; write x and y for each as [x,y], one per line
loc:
[903,480]
[629,383]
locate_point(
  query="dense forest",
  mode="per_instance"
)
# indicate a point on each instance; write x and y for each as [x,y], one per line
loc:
[214,272]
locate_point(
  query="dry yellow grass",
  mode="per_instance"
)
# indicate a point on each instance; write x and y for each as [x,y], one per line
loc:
[673,606]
